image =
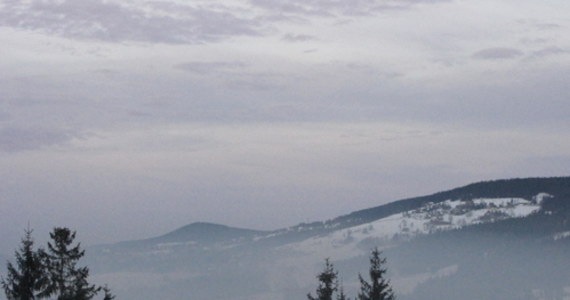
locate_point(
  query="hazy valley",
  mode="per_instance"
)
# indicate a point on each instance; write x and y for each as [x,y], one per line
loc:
[505,239]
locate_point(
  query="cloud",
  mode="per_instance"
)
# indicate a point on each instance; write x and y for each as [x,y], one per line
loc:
[188,22]
[211,67]
[289,37]
[497,53]
[540,25]
[549,51]
[548,26]
[327,8]
[234,74]
[534,40]
[114,22]
[21,139]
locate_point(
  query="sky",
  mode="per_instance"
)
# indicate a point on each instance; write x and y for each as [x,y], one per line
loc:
[127,119]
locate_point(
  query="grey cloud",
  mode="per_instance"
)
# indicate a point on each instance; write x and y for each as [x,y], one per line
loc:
[534,40]
[298,37]
[21,139]
[295,7]
[539,24]
[547,26]
[549,51]
[262,81]
[175,23]
[211,67]
[234,74]
[107,21]
[337,7]
[497,53]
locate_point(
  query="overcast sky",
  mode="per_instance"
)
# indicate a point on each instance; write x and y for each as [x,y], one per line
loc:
[126,119]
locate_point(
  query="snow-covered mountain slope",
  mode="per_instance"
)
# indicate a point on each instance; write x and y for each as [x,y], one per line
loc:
[436,246]
[197,235]
[525,188]
[338,239]
[429,218]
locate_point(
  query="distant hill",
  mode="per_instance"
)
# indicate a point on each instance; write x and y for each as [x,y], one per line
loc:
[199,233]
[516,188]
[208,233]
[524,188]
[502,239]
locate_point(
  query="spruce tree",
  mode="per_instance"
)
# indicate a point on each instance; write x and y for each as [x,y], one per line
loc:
[107,293]
[25,279]
[67,281]
[327,283]
[341,295]
[379,287]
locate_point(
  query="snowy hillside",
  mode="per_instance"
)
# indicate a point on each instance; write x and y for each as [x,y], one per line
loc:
[429,218]
[436,246]
[351,241]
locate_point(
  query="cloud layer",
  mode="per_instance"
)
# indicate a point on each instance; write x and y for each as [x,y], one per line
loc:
[158,22]
[22,139]
[498,53]
[178,22]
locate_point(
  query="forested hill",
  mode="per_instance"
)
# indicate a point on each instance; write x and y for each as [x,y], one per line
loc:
[525,188]
[199,232]
[444,239]
[505,188]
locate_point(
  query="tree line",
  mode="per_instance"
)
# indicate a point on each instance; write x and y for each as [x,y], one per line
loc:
[54,274]
[378,288]
[51,273]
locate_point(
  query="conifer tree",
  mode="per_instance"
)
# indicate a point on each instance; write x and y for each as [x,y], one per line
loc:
[25,279]
[341,295]
[107,293]
[327,283]
[66,280]
[379,287]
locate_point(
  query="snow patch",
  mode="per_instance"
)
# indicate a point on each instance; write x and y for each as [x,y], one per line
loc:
[429,218]
[561,235]
[539,198]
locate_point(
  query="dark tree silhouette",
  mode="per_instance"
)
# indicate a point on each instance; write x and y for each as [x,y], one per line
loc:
[66,280]
[25,279]
[341,295]
[379,287]
[50,274]
[327,283]
[107,292]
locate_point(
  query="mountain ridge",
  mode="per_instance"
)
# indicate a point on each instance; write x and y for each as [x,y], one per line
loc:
[515,187]
[519,188]
[448,239]
[524,188]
